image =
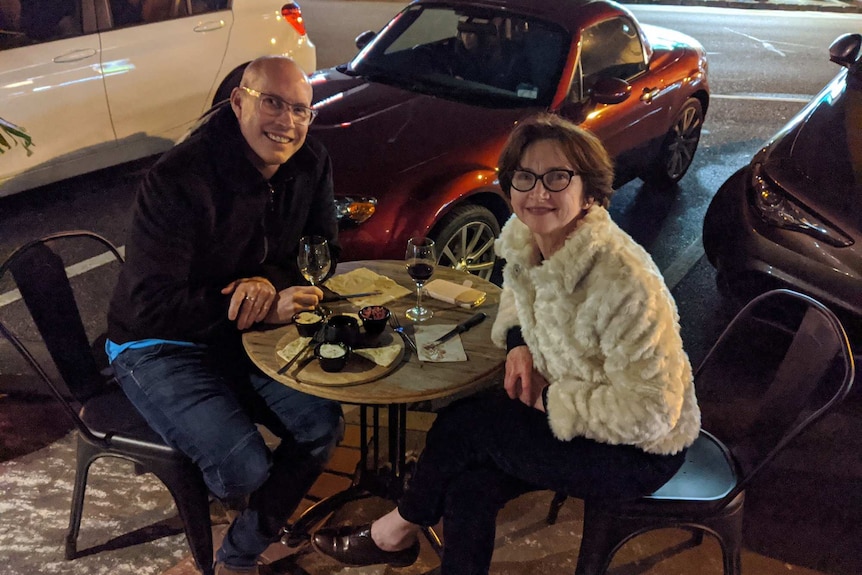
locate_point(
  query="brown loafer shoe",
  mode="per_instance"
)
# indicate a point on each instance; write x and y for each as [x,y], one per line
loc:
[353,545]
[222,569]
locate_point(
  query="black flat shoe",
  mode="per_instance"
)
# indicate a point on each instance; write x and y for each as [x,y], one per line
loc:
[353,545]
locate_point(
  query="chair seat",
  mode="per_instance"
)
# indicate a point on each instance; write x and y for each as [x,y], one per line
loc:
[707,474]
[114,414]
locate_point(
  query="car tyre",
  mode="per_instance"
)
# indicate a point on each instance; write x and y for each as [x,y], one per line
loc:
[680,144]
[230,82]
[465,240]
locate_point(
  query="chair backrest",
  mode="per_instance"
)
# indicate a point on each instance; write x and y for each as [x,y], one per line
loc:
[781,363]
[39,271]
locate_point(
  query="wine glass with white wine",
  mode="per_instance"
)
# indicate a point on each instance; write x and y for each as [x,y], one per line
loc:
[314,261]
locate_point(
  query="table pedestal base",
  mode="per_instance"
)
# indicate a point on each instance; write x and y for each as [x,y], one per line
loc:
[369,481]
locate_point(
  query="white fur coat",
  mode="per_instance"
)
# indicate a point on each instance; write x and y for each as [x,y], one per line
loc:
[603,329]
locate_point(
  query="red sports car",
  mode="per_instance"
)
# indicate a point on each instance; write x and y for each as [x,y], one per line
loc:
[414,123]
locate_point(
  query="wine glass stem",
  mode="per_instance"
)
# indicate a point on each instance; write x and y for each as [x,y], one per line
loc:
[419,295]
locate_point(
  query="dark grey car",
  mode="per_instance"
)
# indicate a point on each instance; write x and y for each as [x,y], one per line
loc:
[793,216]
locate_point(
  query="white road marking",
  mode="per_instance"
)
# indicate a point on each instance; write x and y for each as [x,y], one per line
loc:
[72,271]
[679,267]
[800,98]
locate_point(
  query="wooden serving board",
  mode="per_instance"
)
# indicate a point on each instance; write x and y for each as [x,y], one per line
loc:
[358,369]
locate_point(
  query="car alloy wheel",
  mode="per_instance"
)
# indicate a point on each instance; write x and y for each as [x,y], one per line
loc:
[680,144]
[465,240]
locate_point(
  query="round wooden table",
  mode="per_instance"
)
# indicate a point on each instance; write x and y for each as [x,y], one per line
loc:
[409,382]
[412,380]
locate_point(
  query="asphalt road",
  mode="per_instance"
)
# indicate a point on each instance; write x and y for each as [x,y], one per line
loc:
[764,65]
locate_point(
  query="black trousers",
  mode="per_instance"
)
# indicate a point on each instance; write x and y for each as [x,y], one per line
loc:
[488,449]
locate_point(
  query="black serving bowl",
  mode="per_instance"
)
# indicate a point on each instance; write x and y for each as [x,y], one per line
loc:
[308,322]
[332,356]
[374,319]
[341,329]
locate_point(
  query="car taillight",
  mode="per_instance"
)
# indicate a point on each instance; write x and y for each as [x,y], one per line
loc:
[292,14]
[354,210]
[776,208]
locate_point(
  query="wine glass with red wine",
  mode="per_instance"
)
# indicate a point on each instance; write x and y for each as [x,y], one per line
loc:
[420,259]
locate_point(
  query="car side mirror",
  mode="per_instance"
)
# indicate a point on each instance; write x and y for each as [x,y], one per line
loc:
[844,51]
[365,39]
[608,90]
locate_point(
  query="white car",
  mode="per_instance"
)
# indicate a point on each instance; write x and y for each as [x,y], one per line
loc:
[99,82]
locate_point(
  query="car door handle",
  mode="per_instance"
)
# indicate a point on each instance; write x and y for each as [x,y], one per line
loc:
[210,26]
[74,56]
[649,94]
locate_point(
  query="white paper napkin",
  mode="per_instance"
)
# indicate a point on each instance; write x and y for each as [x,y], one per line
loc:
[364,280]
[452,350]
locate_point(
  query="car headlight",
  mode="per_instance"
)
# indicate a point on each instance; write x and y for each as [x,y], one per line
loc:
[776,208]
[354,210]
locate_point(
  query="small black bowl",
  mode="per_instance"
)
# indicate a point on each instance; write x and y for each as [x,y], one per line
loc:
[374,319]
[341,329]
[332,356]
[308,322]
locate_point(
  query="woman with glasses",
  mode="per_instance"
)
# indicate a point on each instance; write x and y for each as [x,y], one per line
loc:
[598,399]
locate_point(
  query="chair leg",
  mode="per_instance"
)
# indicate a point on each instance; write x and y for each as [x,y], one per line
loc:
[191,496]
[728,529]
[85,456]
[554,509]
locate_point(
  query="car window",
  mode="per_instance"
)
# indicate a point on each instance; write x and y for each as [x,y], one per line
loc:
[468,55]
[26,22]
[611,48]
[134,12]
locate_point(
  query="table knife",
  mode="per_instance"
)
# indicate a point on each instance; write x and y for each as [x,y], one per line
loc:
[337,297]
[474,320]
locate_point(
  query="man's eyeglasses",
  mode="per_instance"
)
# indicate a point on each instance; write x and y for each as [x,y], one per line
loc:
[553,180]
[274,106]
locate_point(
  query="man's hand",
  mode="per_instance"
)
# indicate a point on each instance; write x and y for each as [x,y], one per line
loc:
[293,300]
[522,381]
[250,301]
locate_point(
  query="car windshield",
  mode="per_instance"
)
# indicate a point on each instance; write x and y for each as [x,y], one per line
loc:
[824,150]
[487,58]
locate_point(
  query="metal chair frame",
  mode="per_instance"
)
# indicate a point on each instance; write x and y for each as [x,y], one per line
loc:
[707,494]
[107,424]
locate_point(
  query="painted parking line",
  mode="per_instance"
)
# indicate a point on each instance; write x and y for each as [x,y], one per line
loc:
[72,271]
[679,267]
[796,98]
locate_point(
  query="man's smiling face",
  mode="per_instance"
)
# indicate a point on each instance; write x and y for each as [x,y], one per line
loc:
[272,140]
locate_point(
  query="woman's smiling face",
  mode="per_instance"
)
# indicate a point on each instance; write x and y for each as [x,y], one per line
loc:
[549,215]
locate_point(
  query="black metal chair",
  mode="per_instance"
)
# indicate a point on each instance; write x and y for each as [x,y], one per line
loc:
[108,425]
[782,363]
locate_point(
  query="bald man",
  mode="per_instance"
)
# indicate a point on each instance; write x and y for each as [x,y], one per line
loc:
[212,252]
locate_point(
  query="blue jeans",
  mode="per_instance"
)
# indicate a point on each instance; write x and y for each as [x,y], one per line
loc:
[205,402]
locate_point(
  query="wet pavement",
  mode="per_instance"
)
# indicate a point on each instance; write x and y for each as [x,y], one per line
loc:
[803,515]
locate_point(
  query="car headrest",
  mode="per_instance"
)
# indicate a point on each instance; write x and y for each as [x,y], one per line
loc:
[480,28]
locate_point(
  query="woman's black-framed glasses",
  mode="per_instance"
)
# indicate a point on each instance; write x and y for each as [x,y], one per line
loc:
[272,105]
[553,180]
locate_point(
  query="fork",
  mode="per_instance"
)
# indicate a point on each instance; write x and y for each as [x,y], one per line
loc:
[396,326]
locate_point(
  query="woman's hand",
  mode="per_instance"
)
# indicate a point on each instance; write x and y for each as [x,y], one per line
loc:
[293,300]
[250,301]
[522,381]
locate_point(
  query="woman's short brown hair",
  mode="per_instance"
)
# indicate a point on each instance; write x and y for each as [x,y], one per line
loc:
[583,149]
